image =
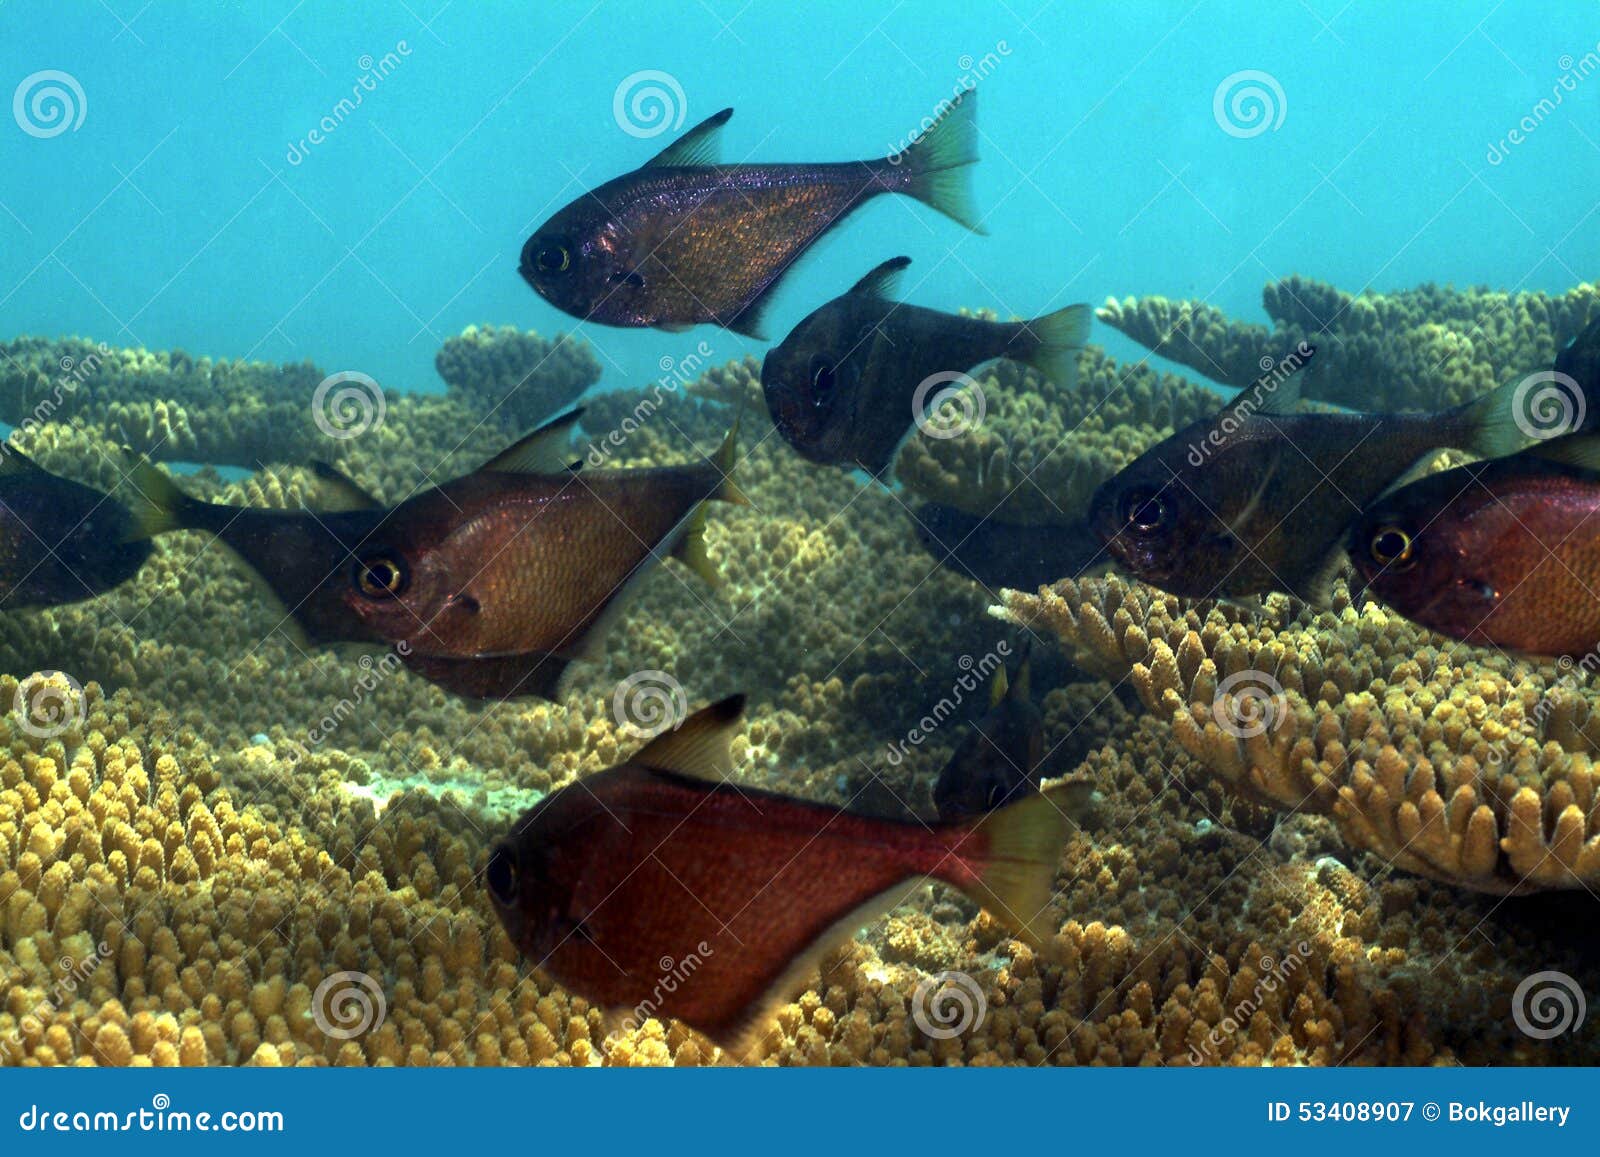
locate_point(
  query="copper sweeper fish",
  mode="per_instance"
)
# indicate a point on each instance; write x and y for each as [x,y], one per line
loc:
[663,856]
[998,761]
[60,541]
[1503,553]
[488,585]
[849,383]
[1259,499]
[686,240]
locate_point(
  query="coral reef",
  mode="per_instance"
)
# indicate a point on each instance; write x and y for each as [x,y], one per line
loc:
[1418,349]
[217,847]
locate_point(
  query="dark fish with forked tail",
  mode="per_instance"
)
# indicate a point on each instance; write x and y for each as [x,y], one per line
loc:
[60,541]
[1258,499]
[493,582]
[998,761]
[686,240]
[847,385]
[614,879]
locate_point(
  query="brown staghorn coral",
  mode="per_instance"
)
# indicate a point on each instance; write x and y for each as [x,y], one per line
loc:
[1446,761]
[1418,349]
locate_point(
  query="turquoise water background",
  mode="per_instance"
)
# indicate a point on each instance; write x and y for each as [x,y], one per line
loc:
[174,215]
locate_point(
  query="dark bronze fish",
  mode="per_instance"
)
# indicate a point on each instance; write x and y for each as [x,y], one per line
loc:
[996,554]
[1503,553]
[998,761]
[493,582]
[686,240]
[1258,499]
[663,860]
[847,385]
[60,541]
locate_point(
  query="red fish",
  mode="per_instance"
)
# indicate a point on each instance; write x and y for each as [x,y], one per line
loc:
[685,240]
[626,874]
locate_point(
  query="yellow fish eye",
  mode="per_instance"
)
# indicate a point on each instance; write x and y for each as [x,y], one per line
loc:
[1391,546]
[554,259]
[380,577]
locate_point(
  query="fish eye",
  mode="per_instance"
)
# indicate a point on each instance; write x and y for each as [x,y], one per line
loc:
[822,379]
[381,577]
[1391,546]
[1143,509]
[501,876]
[553,259]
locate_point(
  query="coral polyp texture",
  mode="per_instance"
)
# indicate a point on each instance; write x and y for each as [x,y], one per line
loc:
[1418,349]
[220,847]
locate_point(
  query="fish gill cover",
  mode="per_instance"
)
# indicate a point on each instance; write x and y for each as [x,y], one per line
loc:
[282,275]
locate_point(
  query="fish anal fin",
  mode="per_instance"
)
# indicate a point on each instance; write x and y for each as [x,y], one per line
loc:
[699,746]
[1025,842]
[545,450]
[701,145]
[1581,450]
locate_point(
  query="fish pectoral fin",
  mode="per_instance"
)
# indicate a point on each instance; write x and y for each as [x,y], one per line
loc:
[884,281]
[701,145]
[699,746]
[543,451]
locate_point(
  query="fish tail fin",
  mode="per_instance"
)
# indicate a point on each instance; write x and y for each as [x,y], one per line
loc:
[1057,339]
[1025,842]
[157,505]
[939,163]
[691,549]
[1522,413]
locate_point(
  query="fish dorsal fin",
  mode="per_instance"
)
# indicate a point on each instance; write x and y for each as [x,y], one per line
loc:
[1278,390]
[342,491]
[697,747]
[15,464]
[884,281]
[701,145]
[1582,450]
[544,451]
[998,688]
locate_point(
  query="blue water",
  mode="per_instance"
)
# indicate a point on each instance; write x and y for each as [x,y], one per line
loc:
[175,213]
